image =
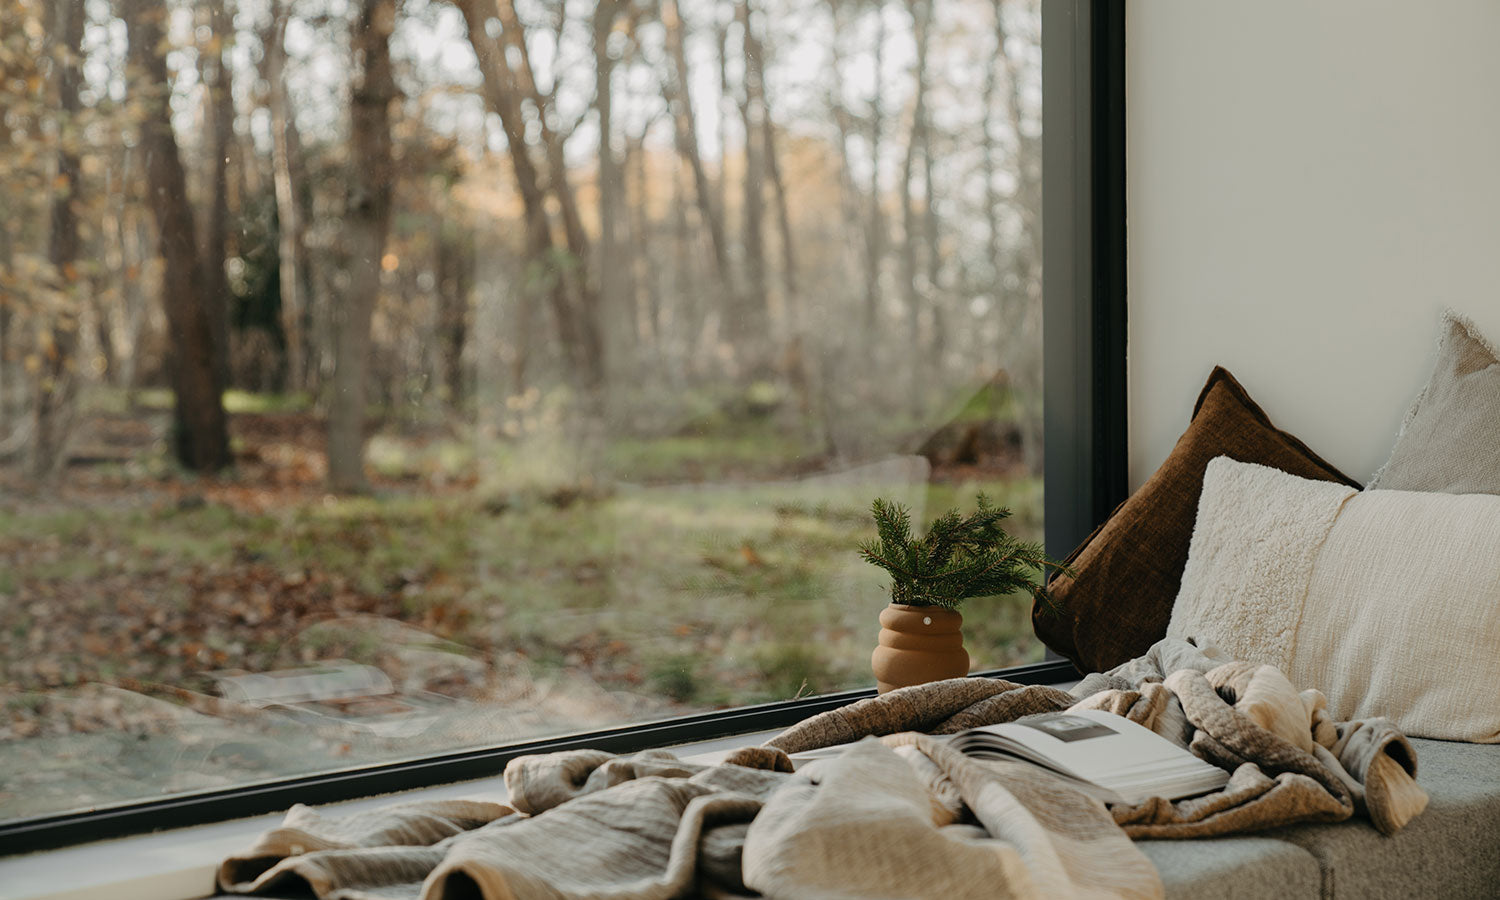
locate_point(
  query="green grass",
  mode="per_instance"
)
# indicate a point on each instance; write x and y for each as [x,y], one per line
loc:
[707,574]
[740,455]
[237,401]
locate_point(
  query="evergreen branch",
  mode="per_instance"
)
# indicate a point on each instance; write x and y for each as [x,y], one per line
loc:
[959,556]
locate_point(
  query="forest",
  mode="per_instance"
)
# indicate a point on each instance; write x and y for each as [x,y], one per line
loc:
[542,355]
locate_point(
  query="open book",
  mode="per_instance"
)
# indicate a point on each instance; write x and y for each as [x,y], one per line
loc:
[1099,753]
[1102,754]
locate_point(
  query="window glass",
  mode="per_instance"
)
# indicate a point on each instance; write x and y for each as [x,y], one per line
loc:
[380,378]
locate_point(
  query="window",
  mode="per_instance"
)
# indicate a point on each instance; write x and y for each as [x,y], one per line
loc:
[388,385]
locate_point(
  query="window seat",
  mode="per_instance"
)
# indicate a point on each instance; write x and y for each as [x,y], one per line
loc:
[1452,849]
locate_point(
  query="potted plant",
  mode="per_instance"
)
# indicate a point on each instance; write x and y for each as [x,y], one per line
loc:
[959,557]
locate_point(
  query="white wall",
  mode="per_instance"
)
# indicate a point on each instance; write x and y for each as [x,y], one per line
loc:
[1309,183]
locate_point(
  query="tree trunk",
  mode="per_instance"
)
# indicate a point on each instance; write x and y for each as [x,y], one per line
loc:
[784,226]
[56,382]
[455,267]
[137,237]
[725,110]
[797,368]
[681,101]
[612,277]
[921,13]
[6,255]
[503,92]
[589,352]
[938,344]
[643,345]
[694,311]
[1022,310]
[843,120]
[293,274]
[875,223]
[754,321]
[990,155]
[367,216]
[201,435]
[219,118]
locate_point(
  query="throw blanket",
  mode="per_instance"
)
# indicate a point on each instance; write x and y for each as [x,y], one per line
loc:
[903,816]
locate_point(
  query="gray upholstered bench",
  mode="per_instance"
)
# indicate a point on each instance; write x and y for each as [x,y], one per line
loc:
[1451,850]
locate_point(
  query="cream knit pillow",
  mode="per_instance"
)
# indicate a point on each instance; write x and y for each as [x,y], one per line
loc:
[1387,601]
[1450,440]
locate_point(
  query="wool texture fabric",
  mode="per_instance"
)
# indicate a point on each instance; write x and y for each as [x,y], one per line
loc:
[899,817]
[1127,573]
[1450,438]
[1388,600]
[912,819]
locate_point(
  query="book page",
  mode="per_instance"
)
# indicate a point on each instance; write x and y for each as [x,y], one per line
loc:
[1087,743]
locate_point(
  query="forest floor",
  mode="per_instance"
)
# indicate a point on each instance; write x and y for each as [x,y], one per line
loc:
[712,571]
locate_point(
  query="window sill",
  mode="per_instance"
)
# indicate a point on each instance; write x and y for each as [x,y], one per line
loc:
[180,864]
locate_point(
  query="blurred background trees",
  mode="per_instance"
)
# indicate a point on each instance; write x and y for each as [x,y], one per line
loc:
[642,214]
[624,308]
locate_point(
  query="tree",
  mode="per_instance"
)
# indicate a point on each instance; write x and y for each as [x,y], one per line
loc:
[611,175]
[56,384]
[367,220]
[1020,306]
[680,99]
[875,227]
[921,14]
[201,437]
[559,271]
[753,316]
[219,117]
[286,148]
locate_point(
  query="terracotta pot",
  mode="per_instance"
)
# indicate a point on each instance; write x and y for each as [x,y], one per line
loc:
[918,644]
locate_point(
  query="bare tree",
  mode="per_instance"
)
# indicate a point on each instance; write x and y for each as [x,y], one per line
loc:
[455,268]
[201,437]
[725,107]
[753,315]
[783,224]
[611,276]
[589,353]
[939,339]
[1020,308]
[844,121]
[875,227]
[367,220]
[7,254]
[921,14]
[560,270]
[292,259]
[56,384]
[219,117]
[681,100]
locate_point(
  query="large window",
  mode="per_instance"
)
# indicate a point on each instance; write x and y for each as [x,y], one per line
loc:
[386,379]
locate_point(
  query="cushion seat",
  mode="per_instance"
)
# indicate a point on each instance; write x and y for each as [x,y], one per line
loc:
[1451,850]
[1235,868]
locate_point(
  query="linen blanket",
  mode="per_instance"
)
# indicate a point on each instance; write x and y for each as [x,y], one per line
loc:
[903,816]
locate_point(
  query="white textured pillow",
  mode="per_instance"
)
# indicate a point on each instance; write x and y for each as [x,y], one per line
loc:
[1387,601]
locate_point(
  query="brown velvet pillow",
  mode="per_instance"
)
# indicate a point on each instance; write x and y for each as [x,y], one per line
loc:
[1128,571]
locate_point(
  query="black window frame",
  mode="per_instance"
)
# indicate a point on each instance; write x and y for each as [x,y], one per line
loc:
[1083,139]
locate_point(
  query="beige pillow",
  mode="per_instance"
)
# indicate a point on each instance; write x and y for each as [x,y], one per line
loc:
[1387,601]
[1450,440]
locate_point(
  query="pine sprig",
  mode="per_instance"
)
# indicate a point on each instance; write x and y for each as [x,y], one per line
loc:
[959,557]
